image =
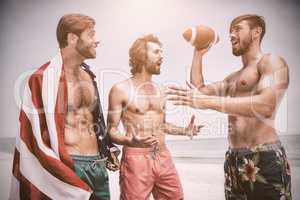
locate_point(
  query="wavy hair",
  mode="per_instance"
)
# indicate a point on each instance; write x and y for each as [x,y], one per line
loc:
[138,52]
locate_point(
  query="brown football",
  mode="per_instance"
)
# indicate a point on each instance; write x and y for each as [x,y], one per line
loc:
[201,36]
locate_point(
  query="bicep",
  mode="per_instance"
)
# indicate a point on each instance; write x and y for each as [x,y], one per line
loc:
[114,108]
[274,75]
[274,79]
[217,88]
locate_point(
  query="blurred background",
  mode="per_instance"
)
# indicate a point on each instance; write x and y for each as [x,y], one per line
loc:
[28,40]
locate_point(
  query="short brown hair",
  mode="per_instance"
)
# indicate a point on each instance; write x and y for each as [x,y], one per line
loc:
[253,21]
[138,52]
[72,23]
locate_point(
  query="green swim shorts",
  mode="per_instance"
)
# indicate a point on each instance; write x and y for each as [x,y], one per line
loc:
[92,170]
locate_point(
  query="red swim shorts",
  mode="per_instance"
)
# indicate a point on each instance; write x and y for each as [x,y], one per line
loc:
[149,170]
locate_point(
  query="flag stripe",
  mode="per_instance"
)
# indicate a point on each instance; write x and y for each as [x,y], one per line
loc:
[33,123]
[60,110]
[35,83]
[14,189]
[54,188]
[49,87]
[51,164]
[29,191]
[42,168]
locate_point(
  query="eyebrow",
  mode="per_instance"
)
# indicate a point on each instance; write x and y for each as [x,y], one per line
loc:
[235,26]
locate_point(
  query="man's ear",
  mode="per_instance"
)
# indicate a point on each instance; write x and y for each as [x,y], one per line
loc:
[257,31]
[72,38]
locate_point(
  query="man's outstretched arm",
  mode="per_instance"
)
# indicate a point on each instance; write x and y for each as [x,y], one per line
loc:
[190,130]
[271,88]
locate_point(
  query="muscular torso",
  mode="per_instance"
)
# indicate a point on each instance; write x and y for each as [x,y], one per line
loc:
[143,110]
[80,138]
[248,131]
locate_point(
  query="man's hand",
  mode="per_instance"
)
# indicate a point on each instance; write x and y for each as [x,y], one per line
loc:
[192,129]
[112,163]
[201,52]
[142,141]
[190,96]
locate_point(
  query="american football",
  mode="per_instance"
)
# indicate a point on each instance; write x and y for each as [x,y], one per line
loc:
[201,36]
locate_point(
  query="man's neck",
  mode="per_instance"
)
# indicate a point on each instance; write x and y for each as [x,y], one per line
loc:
[143,77]
[71,60]
[252,55]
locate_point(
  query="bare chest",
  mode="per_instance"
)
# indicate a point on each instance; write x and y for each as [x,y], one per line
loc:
[145,100]
[244,82]
[81,91]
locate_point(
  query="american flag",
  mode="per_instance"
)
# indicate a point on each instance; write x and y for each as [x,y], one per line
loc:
[42,169]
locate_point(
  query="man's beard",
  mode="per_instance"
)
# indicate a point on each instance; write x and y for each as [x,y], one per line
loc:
[153,68]
[84,50]
[243,46]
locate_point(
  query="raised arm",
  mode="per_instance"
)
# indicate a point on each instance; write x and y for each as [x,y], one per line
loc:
[196,77]
[272,85]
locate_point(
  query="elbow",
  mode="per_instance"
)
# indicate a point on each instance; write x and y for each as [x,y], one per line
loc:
[111,134]
[267,111]
[266,106]
[196,83]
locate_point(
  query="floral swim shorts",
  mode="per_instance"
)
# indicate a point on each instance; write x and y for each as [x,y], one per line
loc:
[259,173]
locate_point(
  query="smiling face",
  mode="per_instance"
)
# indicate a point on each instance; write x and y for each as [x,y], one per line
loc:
[154,58]
[241,38]
[87,43]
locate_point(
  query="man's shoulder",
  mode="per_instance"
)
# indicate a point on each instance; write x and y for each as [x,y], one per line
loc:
[271,62]
[121,87]
[231,76]
[38,73]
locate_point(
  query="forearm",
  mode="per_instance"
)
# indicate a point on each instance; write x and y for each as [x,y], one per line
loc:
[196,75]
[118,137]
[252,106]
[172,129]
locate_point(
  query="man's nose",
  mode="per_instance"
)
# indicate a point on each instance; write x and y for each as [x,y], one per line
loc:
[232,36]
[97,43]
[161,57]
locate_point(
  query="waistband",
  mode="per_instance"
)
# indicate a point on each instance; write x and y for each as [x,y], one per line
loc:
[134,150]
[262,147]
[92,158]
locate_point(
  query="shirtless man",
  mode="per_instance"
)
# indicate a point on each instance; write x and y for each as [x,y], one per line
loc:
[146,165]
[84,122]
[255,164]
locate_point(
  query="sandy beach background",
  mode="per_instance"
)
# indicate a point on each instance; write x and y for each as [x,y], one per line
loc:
[199,163]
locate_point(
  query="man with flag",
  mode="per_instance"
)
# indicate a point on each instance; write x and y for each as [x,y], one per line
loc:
[63,150]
